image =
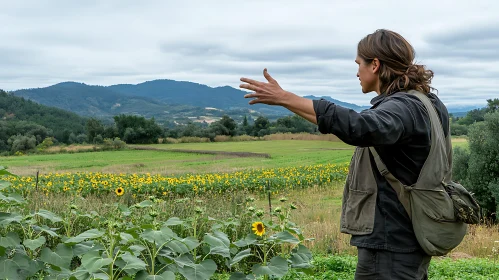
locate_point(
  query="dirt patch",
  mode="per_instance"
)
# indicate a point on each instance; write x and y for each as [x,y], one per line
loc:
[222,153]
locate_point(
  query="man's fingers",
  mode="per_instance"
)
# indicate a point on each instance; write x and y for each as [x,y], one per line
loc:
[252,95]
[250,81]
[250,87]
[268,77]
[254,101]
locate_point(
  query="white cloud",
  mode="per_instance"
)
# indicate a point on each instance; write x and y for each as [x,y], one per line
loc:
[308,46]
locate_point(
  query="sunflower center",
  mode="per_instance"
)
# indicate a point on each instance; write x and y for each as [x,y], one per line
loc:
[259,227]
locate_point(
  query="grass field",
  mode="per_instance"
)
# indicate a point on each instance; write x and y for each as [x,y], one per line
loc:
[284,153]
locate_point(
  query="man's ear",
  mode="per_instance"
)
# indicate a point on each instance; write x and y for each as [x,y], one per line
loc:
[376,64]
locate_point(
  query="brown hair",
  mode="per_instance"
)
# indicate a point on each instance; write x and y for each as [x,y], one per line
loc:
[397,70]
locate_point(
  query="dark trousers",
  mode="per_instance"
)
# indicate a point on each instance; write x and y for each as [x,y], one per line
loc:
[385,265]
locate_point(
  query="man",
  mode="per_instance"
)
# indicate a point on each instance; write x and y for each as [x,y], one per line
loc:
[398,127]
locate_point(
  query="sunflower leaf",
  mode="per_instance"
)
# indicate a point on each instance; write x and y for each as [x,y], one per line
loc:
[89,234]
[250,239]
[240,256]
[49,216]
[219,243]
[278,267]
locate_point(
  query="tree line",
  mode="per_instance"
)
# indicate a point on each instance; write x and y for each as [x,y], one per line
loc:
[461,125]
[477,166]
[26,126]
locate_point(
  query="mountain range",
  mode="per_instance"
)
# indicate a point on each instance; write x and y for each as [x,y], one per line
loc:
[165,100]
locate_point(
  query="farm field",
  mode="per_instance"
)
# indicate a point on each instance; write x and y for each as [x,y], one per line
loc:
[161,160]
[283,153]
[205,216]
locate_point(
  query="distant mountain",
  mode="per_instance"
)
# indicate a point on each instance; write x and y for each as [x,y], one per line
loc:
[95,101]
[162,99]
[341,103]
[462,109]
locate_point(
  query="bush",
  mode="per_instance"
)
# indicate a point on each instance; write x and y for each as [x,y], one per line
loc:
[115,143]
[458,129]
[98,139]
[81,138]
[22,143]
[47,142]
[478,168]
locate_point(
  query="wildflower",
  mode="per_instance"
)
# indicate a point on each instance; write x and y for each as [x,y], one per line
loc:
[119,191]
[258,228]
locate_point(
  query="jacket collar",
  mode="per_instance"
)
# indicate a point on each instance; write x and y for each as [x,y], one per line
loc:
[377,100]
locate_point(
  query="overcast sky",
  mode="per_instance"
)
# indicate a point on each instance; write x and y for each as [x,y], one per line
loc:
[308,46]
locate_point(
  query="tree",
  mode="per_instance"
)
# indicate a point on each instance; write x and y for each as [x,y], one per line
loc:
[225,126]
[478,168]
[261,123]
[245,121]
[22,143]
[138,129]
[492,105]
[72,138]
[81,138]
[473,116]
[94,127]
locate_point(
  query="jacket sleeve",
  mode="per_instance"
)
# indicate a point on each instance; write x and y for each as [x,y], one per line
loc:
[387,124]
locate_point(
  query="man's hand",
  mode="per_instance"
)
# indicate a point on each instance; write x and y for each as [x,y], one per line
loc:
[269,93]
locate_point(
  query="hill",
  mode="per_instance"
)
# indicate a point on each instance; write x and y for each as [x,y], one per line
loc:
[21,116]
[162,99]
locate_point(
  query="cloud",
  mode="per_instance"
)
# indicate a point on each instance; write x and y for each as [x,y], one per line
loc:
[309,47]
[474,42]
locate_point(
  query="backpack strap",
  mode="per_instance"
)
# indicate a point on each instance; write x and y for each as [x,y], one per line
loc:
[401,189]
[394,182]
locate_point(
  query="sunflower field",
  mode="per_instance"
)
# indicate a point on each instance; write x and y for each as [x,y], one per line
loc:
[254,180]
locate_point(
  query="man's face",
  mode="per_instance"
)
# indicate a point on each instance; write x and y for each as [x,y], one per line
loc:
[367,75]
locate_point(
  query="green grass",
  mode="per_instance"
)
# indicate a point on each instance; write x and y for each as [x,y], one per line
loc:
[283,153]
[342,267]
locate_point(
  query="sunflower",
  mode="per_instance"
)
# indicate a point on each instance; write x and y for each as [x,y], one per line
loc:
[258,228]
[119,191]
